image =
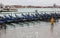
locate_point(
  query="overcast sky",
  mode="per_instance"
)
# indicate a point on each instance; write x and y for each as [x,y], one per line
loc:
[30,2]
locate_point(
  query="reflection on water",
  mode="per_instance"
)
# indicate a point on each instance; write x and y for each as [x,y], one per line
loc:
[33,29]
[22,24]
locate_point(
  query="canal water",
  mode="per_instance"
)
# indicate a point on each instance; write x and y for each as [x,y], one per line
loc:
[33,29]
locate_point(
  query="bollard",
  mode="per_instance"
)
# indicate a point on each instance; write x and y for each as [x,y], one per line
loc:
[1,26]
[4,26]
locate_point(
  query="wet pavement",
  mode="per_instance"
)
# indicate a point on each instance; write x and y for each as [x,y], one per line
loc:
[31,30]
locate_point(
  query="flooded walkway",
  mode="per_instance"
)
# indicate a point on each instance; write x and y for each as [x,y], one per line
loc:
[31,30]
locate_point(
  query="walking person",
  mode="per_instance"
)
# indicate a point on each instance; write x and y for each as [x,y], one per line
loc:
[52,20]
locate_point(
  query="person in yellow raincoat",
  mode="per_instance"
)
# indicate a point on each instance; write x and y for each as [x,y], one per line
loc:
[52,20]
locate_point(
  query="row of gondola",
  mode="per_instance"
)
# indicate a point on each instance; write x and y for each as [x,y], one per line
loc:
[28,17]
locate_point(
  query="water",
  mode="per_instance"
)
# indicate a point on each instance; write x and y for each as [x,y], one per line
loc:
[39,9]
[32,11]
[33,29]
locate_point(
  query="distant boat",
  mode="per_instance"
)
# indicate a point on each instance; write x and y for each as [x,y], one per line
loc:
[8,10]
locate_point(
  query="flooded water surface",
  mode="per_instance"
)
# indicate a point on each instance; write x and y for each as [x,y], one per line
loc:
[34,29]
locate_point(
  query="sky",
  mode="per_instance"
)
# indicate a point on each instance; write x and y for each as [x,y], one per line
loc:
[30,2]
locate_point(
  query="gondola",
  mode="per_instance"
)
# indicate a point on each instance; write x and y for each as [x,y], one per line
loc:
[19,18]
[2,21]
[8,19]
[25,17]
[28,17]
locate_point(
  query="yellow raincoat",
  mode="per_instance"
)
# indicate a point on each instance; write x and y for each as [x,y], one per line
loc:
[52,21]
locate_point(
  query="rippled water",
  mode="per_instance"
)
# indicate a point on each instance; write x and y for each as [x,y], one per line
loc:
[34,29]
